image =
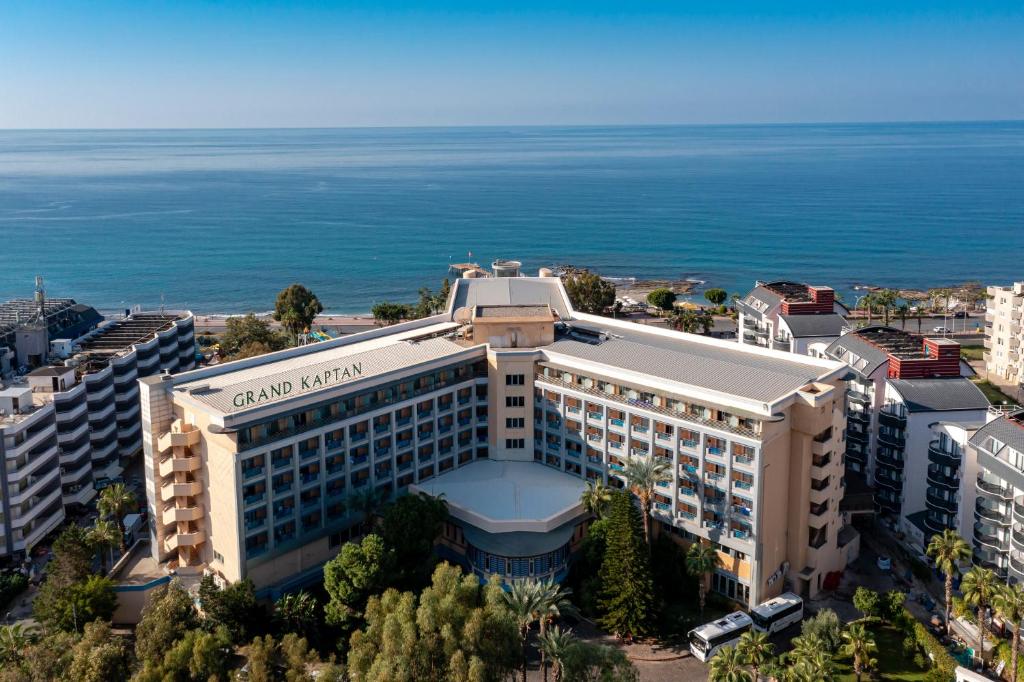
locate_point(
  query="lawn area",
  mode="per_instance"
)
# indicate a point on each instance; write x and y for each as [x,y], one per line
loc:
[893,664]
[992,392]
[971,352]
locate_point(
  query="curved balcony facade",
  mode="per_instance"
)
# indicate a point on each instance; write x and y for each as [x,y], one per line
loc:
[991,514]
[936,455]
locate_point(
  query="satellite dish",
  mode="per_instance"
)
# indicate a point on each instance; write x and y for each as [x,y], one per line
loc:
[463,315]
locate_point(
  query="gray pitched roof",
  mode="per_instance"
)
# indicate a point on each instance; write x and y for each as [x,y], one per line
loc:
[869,356]
[724,367]
[940,395]
[518,291]
[1005,430]
[802,326]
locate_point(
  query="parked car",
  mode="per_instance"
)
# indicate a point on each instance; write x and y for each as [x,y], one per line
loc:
[940,330]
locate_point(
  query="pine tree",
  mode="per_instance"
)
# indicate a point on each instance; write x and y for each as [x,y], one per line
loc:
[627,590]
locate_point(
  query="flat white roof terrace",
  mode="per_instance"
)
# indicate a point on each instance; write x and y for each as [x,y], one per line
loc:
[508,497]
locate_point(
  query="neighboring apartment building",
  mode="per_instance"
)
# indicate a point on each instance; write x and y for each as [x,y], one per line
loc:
[1004,333]
[109,361]
[30,482]
[788,316]
[902,388]
[507,403]
[998,533]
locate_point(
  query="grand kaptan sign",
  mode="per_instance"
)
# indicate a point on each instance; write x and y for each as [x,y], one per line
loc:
[307,382]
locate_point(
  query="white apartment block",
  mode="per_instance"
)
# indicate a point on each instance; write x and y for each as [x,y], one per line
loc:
[1004,334]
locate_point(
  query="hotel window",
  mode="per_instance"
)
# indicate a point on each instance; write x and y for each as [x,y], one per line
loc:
[515,443]
[515,401]
[515,422]
[515,379]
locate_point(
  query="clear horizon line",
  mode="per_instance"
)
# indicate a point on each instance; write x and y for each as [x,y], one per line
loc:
[526,125]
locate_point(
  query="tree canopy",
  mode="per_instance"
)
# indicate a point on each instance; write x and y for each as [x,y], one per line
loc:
[662,298]
[716,296]
[360,570]
[296,308]
[627,590]
[456,630]
[249,335]
[386,313]
[410,527]
[588,292]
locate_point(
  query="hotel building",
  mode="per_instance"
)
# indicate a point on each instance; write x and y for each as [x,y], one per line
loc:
[788,316]
[907,408]
[506,403]
[998,534]
[1004,333]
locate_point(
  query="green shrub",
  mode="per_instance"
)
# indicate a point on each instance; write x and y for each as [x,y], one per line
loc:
[943,665]
[11,585]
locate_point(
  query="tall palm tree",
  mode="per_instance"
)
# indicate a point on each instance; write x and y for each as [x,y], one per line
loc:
[1009,604]
[553,646]
[13,640]
[104,536]
[868,300]
[886,299]
[756,650]
[595,498]
[701,562]
[902,311]
[523,599]
[859,644]
[980,586]
[642,474]
[116,501]
[552,603]
[727,666]
[804,646]
[948,549]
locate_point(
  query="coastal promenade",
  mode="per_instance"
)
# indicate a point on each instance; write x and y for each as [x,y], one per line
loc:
[345,324]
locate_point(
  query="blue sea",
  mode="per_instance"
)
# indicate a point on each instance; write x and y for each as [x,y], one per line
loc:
[220,220]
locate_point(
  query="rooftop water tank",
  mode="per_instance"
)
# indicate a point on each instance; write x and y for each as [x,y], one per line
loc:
[506,268]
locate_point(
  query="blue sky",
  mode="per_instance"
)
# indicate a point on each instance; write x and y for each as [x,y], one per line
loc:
[186,63]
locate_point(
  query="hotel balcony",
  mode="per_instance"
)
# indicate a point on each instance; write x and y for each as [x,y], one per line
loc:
[892,418]
[937,477]
[171,465]
[189,539]
[989,514]
[939,456]
[1018,509]
[185,439]
[987,538]
[891,439]
[171,490]
[182,514]
[993,490]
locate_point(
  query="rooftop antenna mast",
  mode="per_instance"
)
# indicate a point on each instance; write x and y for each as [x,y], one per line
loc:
[40,301]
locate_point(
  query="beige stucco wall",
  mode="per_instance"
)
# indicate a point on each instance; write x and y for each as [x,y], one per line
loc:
[499,364]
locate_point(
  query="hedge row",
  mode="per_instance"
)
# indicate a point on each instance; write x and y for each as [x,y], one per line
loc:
[943,664]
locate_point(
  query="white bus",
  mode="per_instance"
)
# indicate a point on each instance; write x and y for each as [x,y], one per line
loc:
[778,613]
[709,638]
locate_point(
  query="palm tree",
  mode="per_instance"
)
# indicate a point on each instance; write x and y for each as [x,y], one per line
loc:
[859,644]
[296,612]
[902,310]
[13,640]
[816,666]
[803,646]
[727,666]
[523,599]
[367,502]
[103,536]
[116,501]
[642,474]
[756,650]
[1009,604]
[868,300]
[552,603]
[886,299]
[595,498]
[947,550]
[553,646]
[979,586]
[701,562]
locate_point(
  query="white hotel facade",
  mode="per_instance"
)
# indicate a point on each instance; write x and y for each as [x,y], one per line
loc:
[506,403]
